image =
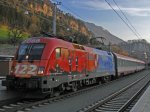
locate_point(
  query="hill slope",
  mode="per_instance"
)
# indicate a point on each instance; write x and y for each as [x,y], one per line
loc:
[99,31]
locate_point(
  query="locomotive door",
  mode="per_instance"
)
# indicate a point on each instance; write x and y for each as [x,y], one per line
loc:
[92,62]
[70,61]
[80,62]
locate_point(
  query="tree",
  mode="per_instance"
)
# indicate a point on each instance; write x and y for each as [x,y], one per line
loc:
[80,38]
[118,50]
[15,35]
[33,29]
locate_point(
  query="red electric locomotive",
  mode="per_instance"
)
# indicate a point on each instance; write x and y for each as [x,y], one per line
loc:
[51,65]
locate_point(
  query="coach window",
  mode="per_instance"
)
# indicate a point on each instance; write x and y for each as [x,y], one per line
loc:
[120,62]
[58,52]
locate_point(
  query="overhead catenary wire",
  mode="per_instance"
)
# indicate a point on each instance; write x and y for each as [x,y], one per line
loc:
[127,19]
[70,10]
[139,36]
[82,18]
[129,24]
[122,19]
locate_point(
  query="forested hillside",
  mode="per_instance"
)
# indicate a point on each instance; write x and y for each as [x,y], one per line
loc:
[30,17]
[20,19]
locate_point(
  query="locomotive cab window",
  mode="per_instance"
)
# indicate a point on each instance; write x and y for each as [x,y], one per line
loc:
[58,52]
[36,51]
[32,51]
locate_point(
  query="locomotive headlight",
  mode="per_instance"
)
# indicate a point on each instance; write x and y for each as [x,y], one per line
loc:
[41,70]
[27,57]
[12,70]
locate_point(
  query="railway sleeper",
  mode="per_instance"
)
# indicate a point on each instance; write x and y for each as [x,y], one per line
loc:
[106,109]
[114,105]
[111,106]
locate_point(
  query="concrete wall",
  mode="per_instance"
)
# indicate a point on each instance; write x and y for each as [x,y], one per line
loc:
[5,67]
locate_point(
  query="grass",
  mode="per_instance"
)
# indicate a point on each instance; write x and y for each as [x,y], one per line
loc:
[7,49]
[4,33]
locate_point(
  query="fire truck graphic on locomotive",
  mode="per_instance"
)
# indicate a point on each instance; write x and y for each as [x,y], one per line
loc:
[50,64]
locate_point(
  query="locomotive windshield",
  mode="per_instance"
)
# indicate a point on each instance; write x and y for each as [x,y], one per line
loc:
[30,51]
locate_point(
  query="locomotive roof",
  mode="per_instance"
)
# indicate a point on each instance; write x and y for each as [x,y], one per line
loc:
[101,52]
[61,43]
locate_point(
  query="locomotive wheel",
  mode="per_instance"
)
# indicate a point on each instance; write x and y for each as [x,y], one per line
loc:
[80,84]
[74,87]
[106,79]
[59,90]
[99,82]
[56,94]
[10,88]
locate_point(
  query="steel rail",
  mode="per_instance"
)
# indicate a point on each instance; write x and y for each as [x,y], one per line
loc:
[99,103]
[22,105]
[129,102]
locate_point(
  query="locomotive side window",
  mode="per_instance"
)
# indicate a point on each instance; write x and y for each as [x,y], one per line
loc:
[58,52]
[64,52]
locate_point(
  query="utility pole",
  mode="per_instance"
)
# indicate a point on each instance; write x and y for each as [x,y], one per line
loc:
[55,17]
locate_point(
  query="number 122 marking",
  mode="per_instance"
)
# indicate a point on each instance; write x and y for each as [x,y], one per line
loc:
[25,69]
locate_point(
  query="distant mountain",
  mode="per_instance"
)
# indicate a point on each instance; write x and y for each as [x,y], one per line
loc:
[137,49]
[99,31]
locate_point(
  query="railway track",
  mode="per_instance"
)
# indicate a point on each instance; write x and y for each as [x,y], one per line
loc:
[120,101]
[26,105]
